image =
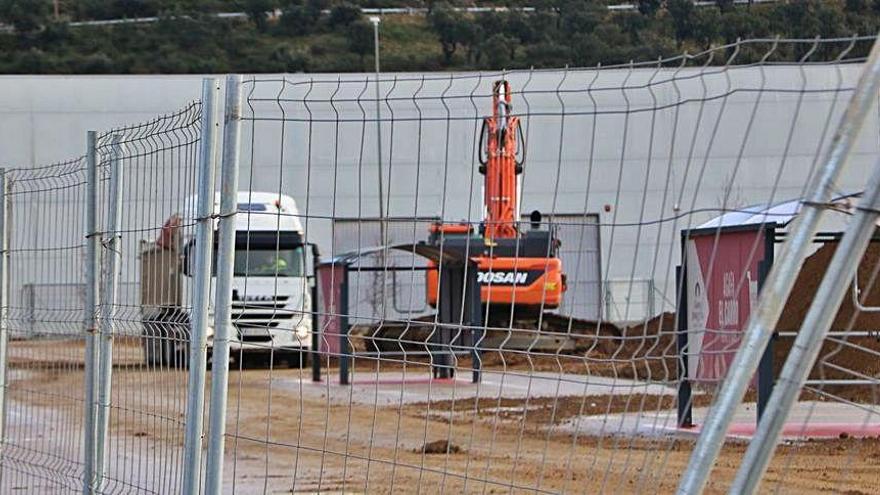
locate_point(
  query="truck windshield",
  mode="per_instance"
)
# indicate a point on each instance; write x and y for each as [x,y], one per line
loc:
[269,262]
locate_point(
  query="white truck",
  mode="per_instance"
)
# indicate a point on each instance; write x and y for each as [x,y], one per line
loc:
[271,296]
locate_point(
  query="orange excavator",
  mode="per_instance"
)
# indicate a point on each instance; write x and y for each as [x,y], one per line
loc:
[520,273]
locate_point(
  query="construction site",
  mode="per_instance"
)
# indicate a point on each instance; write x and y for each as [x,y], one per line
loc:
[646,278]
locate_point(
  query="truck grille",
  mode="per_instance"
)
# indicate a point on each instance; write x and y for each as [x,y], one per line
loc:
[250,315]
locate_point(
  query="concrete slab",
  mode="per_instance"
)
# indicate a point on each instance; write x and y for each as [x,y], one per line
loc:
[393,387]
[817,420]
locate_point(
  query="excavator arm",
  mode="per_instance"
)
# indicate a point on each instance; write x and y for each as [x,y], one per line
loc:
[500,136]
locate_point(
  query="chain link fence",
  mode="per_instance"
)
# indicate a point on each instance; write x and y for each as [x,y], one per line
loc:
[304,289]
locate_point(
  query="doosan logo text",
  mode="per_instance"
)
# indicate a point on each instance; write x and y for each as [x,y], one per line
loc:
[502,277]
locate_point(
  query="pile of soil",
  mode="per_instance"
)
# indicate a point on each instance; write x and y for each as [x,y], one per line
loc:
[439,447]
[650,349]
[541,412]
[859,357]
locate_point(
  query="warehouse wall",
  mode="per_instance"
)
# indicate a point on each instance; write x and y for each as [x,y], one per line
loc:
[665,153]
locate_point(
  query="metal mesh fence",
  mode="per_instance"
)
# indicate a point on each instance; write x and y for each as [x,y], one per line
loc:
[543,281]
[45,215]
[656,156]
[147,196]
[135,399]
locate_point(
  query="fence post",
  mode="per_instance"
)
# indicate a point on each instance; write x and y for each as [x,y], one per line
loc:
[685,416]
[93,277]
[4,295]
[315,357]
[108,308]
[781,280]
[223,300]
[204,245]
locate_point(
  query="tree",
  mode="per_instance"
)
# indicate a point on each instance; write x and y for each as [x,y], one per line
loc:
[343,14]
[856,6]
[725,5]
[649,7]
[299,18]
[707,26]
[500,51]
[26,16]
[360,38]
[582,18]
[682,13]
[451,27]
[257,11]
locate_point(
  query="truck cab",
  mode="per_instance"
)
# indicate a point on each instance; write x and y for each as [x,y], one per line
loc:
[271,295]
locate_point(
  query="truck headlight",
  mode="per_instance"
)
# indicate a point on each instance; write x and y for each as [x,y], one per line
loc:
[302,332]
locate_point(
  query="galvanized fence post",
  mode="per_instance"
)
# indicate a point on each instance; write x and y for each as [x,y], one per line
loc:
[204,245]
[4,295]
[93,278]
[780,281]
[112,246]
[223,297]
[834,287]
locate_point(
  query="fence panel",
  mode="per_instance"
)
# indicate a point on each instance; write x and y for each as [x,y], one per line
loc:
[363,243]
[42,442]
[150,328]
[563,401]
[140,395]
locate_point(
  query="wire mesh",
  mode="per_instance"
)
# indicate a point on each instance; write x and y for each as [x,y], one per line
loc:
[648,153]
[43,448]
[155,164]
[361,248]
[44,391]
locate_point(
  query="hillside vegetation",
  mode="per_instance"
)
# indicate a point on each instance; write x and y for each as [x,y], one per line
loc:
[332,36]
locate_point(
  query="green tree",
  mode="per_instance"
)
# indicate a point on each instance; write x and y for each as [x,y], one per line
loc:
[343,15]
[360,38]
[26,16]
[258,12]
[707,27]
[682,13]
[649,7]
[299,19]
[856,6]
[451,27]
[725,5]
[581,18]
[499,51]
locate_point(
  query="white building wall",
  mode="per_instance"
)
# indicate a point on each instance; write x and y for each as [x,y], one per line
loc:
[662,154]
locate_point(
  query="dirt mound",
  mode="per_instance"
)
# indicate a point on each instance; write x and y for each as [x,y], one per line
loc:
[649,347]
[840,358]
[439,447]
[808,283]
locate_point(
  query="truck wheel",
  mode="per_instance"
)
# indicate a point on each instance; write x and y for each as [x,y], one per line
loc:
[158,343]
[166,341]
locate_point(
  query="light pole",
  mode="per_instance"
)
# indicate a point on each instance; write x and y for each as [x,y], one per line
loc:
[382,228]
[374,20]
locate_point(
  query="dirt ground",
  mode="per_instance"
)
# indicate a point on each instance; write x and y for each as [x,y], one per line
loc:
[287,435]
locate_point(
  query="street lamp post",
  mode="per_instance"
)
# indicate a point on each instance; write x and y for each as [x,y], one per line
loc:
[374,20]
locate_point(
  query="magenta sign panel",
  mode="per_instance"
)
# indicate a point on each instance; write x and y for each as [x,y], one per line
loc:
[330,279]
[722,285]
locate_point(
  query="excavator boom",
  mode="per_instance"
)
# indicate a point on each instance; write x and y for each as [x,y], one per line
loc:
[499,164]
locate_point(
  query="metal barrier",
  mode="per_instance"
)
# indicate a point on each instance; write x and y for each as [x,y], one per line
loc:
[219,240]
